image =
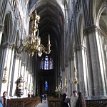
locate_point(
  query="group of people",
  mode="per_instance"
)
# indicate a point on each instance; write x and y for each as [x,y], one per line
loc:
[76,100]
[3,100]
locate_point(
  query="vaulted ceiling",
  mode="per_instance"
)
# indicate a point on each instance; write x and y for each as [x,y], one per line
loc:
[51,21]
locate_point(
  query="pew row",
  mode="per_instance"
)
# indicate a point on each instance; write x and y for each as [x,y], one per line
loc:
[23,102]
[56,102]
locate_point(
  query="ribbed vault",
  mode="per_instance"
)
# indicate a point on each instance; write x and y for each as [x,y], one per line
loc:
[51,22]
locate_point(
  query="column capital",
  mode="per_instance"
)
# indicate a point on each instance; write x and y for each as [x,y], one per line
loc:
[90,29]
[6,45]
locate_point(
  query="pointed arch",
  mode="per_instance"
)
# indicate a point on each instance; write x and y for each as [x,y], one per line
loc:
[5,51]
[99,10]
[101,37]
[8,29]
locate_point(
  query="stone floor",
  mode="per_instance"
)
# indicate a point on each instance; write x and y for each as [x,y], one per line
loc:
[43,104]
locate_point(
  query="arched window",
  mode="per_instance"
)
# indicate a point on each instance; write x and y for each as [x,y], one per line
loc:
[46,85]
[46,63]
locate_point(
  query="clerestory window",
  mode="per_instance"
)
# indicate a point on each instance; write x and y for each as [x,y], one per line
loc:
[46,63]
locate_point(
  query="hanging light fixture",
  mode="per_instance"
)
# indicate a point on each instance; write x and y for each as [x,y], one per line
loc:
[4,78]
[32,43]
[75,80]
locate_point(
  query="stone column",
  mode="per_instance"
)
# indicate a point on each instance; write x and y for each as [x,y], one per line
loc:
[102,58]
[0,3]
[94,75]
[10,71]
[85,68]
[25,79]
[72,73]
[80,71]
[6,63]
[68,79]
[15,74]
[1,31]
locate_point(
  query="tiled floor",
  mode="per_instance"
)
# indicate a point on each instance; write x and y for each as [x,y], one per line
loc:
[43,104]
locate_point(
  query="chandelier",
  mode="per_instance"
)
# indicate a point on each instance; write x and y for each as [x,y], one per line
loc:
[4,79]
[32,43]
[75,80]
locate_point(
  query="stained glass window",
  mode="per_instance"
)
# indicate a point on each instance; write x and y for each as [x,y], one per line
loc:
[46,63]
[46,86]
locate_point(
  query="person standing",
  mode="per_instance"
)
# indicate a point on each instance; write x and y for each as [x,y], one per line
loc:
[63,101]
[4,99]
[80,101]
[41,98]
[74,98]
[1,102]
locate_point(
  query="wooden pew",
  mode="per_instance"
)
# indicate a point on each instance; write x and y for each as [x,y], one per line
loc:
[54,102]
[96,103]
[23,102]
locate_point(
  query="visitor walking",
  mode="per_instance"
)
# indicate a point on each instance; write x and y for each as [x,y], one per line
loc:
[1,102]
[74,98]
[63,101]
[4,99]
[80,101]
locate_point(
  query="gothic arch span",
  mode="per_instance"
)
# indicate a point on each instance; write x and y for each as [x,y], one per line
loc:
[100,5]
[101,35]
[101,10]
[3,9]
[6,40]
[7,32]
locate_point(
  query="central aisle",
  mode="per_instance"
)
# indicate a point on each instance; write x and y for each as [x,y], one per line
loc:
[43,104]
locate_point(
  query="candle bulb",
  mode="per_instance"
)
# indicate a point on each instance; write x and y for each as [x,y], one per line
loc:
[39,40]
[48,39]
